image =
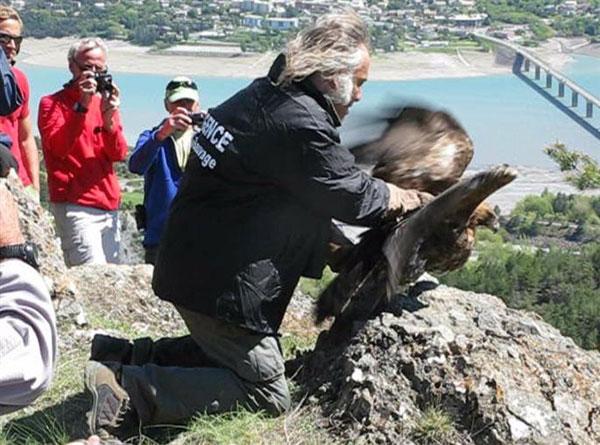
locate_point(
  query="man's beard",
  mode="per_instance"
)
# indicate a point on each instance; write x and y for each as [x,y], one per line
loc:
[342,95]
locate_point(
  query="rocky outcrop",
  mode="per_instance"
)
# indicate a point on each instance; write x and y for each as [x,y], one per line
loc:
[131,249]
[502,376]
[37,225]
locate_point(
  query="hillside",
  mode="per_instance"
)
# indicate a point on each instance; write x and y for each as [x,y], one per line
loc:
[439,366]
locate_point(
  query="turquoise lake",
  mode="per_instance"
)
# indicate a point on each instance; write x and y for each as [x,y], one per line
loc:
[509,121]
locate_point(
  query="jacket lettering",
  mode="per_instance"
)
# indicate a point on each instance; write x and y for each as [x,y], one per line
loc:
[216,133]
[206,160]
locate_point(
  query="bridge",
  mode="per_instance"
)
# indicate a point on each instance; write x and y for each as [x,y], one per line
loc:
[526,64]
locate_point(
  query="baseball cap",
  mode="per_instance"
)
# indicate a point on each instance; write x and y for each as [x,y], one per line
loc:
[181,87]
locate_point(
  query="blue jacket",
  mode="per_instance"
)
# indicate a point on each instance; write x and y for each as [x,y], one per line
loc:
[157,161]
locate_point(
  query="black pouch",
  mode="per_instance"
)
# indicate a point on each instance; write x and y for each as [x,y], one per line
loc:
[140,216]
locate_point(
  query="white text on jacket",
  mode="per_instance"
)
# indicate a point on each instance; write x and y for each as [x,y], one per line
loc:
[215,133]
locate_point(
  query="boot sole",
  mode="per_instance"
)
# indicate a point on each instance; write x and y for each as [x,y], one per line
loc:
[90,384]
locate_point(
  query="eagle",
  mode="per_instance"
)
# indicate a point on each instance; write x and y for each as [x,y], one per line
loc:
[427,150]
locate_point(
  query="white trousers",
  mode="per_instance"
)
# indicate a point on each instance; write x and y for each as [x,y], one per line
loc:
[87,235]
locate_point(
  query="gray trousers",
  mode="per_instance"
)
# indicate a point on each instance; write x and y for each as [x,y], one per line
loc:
[87,235]
[244,369]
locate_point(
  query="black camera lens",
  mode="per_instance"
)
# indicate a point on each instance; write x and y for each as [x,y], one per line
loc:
[103,82]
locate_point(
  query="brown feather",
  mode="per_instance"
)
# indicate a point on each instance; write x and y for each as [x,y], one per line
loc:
[421,149]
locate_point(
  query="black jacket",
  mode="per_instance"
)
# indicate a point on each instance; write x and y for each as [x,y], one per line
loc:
[254,207]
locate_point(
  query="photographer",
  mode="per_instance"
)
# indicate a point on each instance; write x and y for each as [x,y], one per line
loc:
[161,155]
[82,137]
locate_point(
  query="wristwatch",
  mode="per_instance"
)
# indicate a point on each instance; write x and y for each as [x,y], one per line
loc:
[27,252]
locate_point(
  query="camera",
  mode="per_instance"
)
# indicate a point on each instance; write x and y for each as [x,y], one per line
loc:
[197,118]
[103,82]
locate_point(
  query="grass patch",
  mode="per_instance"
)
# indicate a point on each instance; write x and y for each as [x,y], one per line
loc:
[315,287]
[239,427]
[435,426]
[43,429]
[121,327]
[130,199]
[59,414]
[293,344]
[68,377]
[246,428]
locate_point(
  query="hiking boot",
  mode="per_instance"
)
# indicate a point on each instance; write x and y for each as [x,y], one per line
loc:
[110,403]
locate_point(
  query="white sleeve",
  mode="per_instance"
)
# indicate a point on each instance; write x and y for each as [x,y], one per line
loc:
[27,335]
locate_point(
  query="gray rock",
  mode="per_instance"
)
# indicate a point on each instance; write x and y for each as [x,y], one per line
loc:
[502,376]
[37,225]
[131,250]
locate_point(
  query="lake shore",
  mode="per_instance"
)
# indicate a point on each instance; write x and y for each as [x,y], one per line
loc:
[128,58]
[531,181]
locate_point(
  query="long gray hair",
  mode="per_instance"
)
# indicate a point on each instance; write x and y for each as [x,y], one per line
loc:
[330,47]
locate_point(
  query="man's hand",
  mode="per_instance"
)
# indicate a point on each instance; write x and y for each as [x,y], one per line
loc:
[87,88]
[10,232]
[110,103]
[405,200]
[179,119]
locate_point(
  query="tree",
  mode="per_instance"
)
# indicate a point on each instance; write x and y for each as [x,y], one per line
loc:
[581,170]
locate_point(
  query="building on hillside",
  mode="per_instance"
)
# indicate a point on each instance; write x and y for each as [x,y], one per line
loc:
[252,21]
[314,6]
[467,21]
[568,7]
[281,24]
[274,23]
[260,7]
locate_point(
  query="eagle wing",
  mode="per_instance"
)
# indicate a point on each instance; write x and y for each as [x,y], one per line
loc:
[453,208]
[397,253]
[420,149]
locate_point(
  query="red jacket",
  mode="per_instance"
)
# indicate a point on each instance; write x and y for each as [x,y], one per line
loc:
[78,152]
[10,124]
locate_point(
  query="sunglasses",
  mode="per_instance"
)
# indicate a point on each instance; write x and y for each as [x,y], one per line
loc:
[6,38]
[181,83]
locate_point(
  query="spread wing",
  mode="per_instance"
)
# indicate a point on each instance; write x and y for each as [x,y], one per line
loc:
[396,253]
[422,149]
[449,213]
